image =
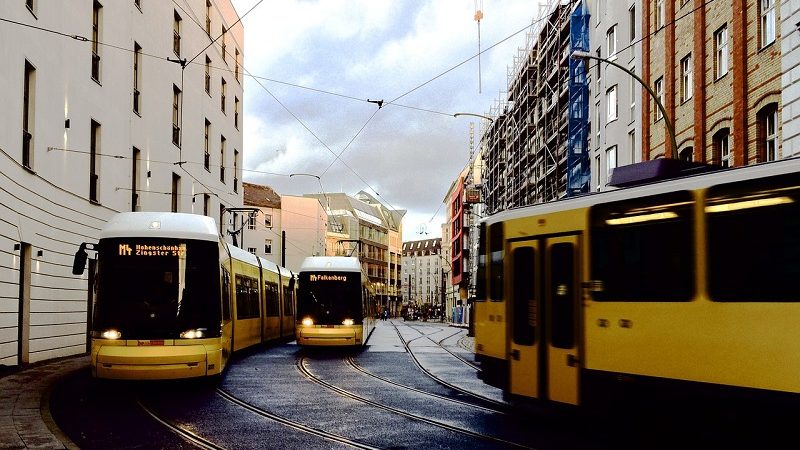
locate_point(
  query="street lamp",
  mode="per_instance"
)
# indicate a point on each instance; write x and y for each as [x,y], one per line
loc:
[490,119]
[667,122]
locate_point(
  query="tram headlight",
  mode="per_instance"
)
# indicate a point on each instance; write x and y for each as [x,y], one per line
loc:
[308,321]
[196,333]
[348,322]
[111,334]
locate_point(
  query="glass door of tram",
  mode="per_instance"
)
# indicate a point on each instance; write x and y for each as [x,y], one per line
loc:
[543,351]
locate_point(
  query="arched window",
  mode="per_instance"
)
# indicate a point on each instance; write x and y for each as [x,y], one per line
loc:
[686,154]
[722,148]
[768,128]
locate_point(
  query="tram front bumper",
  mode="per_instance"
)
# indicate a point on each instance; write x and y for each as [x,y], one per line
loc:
[150,363]
[327,336]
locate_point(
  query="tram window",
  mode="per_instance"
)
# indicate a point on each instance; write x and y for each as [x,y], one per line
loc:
[271,291]
[562,294]
[246,298]
[496,263]
[642,250]
[753,241]
[525,302]
[226,294]
[480,276]
[288,298]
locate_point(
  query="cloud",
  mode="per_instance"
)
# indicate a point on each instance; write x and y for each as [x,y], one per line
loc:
[346,52]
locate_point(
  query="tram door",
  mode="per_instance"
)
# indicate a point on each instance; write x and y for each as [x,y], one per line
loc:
[544,298]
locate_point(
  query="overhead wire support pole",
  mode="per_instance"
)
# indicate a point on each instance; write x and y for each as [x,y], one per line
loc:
[667,120]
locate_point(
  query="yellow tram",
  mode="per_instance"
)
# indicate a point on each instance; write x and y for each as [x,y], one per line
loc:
[173,300]
[336,302]
[684,287]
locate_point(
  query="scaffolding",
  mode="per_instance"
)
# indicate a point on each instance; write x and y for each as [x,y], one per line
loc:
[525,148]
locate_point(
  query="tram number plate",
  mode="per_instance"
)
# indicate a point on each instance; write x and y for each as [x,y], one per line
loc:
[151,342]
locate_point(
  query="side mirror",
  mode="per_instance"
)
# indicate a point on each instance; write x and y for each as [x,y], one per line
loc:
[79,262]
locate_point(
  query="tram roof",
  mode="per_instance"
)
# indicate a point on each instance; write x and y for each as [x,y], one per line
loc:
[161,225]
[699,181]
[331,264]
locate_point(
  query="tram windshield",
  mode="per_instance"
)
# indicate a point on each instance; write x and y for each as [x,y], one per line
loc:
[330,297]
[157,288]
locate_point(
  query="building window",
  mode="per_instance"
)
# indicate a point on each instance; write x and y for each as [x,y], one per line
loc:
[722,148]
[222,159]
[176,115]
[137,77]
[236,112]
[236,64]
[611,98]
[208,75]
[138,4]
[96,41]
[221,218]
[235,170]
[632,85]
[597,68]
[206,204]
[611,42]
[136,163]
[207,147]
[176,35]
[611,162]
[686,78]
[222,39]
[597,121]
[268,246]
[208,17]
[176,185]
[268,220]
[251,250]
[223,92]
[659,89]
[597,172]
[632,145]
[768,129]
[94,153]
[31,7]
[686,154]
[767,10]
[28,115]
[632,23]
[721,52]
[659,14]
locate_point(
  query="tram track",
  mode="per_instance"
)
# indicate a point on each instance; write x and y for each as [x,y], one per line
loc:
[497,404]
[301,367]
[293,424]
[181,431]
[354,365]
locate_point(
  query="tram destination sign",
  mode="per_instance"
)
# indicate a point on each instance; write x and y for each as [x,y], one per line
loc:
[152,250]
[325,277]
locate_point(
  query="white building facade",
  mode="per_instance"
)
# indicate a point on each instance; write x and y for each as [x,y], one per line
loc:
[108,106]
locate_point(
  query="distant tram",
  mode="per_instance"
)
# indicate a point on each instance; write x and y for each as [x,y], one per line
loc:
[686,288]
[173,300]
[336,302]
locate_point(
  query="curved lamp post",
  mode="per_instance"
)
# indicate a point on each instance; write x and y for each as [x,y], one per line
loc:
[667,121]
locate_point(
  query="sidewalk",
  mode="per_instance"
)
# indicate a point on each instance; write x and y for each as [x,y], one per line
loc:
[25,421]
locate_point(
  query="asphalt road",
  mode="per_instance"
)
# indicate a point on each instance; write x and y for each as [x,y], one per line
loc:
[414,386]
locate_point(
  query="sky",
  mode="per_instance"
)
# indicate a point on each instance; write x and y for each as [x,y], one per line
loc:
[315,68]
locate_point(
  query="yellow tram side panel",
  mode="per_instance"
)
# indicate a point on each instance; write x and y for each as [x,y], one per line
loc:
[490,329]
[750,345]
[155,359]
[246,332]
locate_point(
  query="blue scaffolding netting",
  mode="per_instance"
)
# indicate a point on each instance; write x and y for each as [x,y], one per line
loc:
[578,168]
